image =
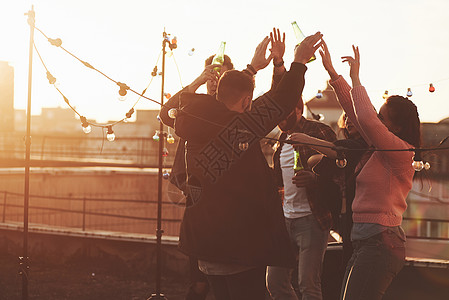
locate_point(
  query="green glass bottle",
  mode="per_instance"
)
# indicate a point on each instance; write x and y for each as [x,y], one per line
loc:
[297,165]
[300,37]
[219,57]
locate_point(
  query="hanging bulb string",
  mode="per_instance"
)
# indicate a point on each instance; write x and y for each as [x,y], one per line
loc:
[405,89]
[74,110]
[58,43]
[91,67]
[66,100]
[177,68]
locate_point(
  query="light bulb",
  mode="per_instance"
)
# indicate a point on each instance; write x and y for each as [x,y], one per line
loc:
[321,117]
[87,129]
[385,95]
[121,98]
[427,166]
[110,134]
[165,175]
[341,162]
[165,152]
[170,139]
[156,136]
[319,94]
[431,88]
[191,52]
[418,165]
[85,125]
[167,95]
[169,53]
[409,92]
[172,113]
[243,146]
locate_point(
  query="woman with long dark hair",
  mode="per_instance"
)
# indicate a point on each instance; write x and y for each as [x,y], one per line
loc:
[381,186]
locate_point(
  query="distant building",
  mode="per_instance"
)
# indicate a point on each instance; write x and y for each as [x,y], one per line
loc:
[6,97]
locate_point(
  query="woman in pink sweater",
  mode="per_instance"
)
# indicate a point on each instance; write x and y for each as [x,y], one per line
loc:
[382,184]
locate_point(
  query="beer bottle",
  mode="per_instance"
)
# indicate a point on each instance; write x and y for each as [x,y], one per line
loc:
[300,37]
[297,165]
[219,57]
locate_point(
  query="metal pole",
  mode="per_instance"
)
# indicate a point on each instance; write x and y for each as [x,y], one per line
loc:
[159,230]
[23,260]
[4,207]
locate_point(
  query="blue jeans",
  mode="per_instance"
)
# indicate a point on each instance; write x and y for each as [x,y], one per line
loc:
[373,265]
[311,242]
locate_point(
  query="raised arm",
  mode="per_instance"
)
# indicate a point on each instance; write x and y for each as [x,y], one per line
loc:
[373,129]
[319,145]
[341,88]
[271,108]
[208,74]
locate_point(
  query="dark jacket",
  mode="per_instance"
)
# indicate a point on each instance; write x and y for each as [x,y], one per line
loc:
[233,212]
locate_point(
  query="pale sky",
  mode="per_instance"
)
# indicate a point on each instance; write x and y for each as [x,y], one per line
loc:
[403,43]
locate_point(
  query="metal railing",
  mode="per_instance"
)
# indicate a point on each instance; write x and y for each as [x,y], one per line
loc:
[78,217]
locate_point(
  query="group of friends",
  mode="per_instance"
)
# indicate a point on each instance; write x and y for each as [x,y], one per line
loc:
[247,226]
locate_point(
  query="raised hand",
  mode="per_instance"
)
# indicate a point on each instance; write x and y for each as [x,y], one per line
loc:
[327,61]
[259,60]
[277,46]
[354,63]
[305,50]
[208,74]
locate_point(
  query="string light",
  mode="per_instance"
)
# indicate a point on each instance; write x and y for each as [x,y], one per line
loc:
[243,146]
[156,136]
[86,126]
[170,139]
[51,78]
[129,115]
[164,152]
[385,95]
[409,92]
[319,94]
[154,72]
[110,134]
[124,88]
[340,161]
[166,175]
[172,113]
[167,95]
[191,52]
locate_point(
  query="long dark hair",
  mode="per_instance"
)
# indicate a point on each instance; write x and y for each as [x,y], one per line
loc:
[404,114]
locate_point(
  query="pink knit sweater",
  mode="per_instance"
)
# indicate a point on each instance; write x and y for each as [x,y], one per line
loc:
[386,178]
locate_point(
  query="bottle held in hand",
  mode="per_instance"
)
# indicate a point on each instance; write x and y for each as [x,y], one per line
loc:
[300,37]
[219,57]
[297,165]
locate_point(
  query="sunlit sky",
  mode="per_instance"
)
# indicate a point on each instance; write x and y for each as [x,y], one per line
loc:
[403,43]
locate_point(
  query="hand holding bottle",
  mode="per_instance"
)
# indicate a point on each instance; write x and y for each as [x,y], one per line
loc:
[307,48]
[209,74]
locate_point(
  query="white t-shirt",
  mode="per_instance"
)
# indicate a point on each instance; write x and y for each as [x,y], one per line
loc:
[296,204]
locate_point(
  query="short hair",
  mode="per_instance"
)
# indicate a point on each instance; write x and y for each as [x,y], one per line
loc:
[227,62]
[404,113]
[233,85]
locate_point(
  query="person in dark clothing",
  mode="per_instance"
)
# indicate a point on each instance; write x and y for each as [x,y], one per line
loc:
[233,222]
[199,287]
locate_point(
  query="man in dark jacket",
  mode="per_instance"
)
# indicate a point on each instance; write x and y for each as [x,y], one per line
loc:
[199,285]
[233,221]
